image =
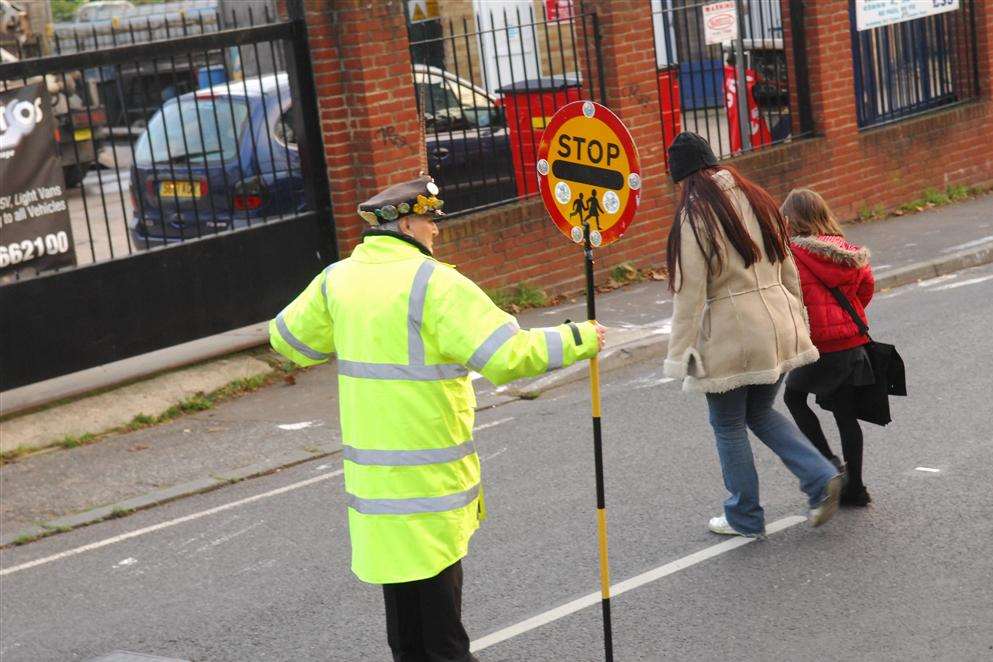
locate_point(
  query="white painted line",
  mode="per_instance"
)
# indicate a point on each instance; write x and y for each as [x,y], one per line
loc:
[302,425]
[493,424]
[128,561]
[928,470]
[628,584]
[490,457]
[934,281]
[652,384]
[166,525]
[880,267]
[968,244]
[963,283]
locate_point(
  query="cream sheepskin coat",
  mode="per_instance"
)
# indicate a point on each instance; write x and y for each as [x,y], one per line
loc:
[745,325]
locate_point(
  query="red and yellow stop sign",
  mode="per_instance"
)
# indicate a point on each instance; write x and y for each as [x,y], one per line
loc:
[588,172]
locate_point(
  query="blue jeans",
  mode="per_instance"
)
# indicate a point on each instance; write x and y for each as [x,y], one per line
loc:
[751,407]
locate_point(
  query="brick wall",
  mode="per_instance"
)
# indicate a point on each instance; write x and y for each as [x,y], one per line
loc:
[373,136]
[517,243]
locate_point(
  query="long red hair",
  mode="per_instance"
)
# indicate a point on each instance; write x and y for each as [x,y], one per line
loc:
[705,206]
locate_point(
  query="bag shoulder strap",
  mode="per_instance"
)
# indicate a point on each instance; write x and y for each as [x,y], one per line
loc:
[844,303]
[850,309]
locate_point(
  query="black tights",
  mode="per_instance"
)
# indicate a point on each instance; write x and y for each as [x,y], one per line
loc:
[848,427]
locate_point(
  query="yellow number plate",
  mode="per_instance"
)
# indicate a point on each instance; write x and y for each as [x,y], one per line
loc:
[79,135]
[180,189]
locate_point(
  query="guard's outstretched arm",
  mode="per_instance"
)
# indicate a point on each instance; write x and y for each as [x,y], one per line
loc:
[473,331]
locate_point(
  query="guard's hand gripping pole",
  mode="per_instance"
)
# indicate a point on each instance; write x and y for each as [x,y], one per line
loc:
[601,507]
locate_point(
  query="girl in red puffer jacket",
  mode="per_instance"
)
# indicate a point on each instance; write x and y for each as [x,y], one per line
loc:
[825,260]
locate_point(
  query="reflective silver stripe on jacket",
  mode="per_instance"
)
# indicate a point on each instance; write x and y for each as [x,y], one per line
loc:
[415,370]
[554,340]
[415,313]
[295,343]
[407,458]
[491,345]
[324,281]
[417,373]
[413,506]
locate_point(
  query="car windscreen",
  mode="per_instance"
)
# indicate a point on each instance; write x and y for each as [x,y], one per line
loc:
[193,131]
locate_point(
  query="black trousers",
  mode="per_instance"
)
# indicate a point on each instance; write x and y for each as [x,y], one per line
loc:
[848,428]
[424,619]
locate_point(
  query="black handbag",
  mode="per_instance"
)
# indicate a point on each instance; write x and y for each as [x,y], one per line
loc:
[872,401]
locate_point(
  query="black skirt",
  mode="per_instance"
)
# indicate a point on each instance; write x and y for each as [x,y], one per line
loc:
[849,367]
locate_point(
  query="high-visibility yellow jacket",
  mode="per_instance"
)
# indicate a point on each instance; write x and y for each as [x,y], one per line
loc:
[406,330]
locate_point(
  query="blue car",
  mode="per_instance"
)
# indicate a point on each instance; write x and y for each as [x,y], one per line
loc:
[221,158]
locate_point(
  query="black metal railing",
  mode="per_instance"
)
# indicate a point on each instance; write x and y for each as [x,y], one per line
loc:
[486,84]
[225,171]
[906,68]
[699,82]
[193,134]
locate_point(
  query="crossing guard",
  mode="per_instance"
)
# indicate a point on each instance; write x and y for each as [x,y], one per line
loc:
[407,329]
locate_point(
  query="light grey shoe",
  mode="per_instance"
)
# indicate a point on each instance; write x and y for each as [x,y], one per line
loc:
[720,525]
[828,506]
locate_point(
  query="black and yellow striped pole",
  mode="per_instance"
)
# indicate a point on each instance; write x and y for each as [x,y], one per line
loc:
[601,506]
[589,176]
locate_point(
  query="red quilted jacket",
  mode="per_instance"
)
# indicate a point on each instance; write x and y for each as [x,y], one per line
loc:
[829,261]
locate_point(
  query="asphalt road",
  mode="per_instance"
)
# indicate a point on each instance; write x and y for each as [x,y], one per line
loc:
[909,579]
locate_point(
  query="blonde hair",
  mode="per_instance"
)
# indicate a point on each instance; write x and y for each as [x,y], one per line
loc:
[808,214]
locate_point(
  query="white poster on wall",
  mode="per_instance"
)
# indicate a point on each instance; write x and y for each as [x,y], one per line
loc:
[871,14]
[720,22]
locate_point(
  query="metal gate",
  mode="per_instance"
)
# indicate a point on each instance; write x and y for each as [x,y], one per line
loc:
[203,208]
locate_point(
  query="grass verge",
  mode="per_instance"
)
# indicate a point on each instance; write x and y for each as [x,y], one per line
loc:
[282,371]
[929,199]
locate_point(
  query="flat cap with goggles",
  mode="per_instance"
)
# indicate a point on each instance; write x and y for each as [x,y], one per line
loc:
[418,196]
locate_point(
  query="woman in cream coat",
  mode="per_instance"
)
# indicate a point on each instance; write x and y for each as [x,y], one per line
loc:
[738,327]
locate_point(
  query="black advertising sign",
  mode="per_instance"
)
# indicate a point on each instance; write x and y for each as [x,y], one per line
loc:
[35,230]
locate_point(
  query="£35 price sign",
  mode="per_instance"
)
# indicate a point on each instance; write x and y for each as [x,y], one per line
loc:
[35,230]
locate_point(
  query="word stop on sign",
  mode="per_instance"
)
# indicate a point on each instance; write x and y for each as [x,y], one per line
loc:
[588,173]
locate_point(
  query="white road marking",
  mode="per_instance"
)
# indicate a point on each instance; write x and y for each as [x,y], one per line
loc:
[928,470]
[653,383]
[490,457]
[230,536]
[302,425]
[963,283]
[880,267]
[493,424]
[934,281]
[165,525]
[128,561]
[628,584]
[968,244]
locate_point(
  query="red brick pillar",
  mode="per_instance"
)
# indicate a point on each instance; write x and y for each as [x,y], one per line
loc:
[831,83]
[831,68]
[984,46]
[632,91]
[372,133]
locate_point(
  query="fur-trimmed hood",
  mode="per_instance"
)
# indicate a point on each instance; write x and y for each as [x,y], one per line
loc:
[835,249]
[828,262]
[834,261]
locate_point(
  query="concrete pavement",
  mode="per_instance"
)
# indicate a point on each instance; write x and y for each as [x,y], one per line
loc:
[283,425]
